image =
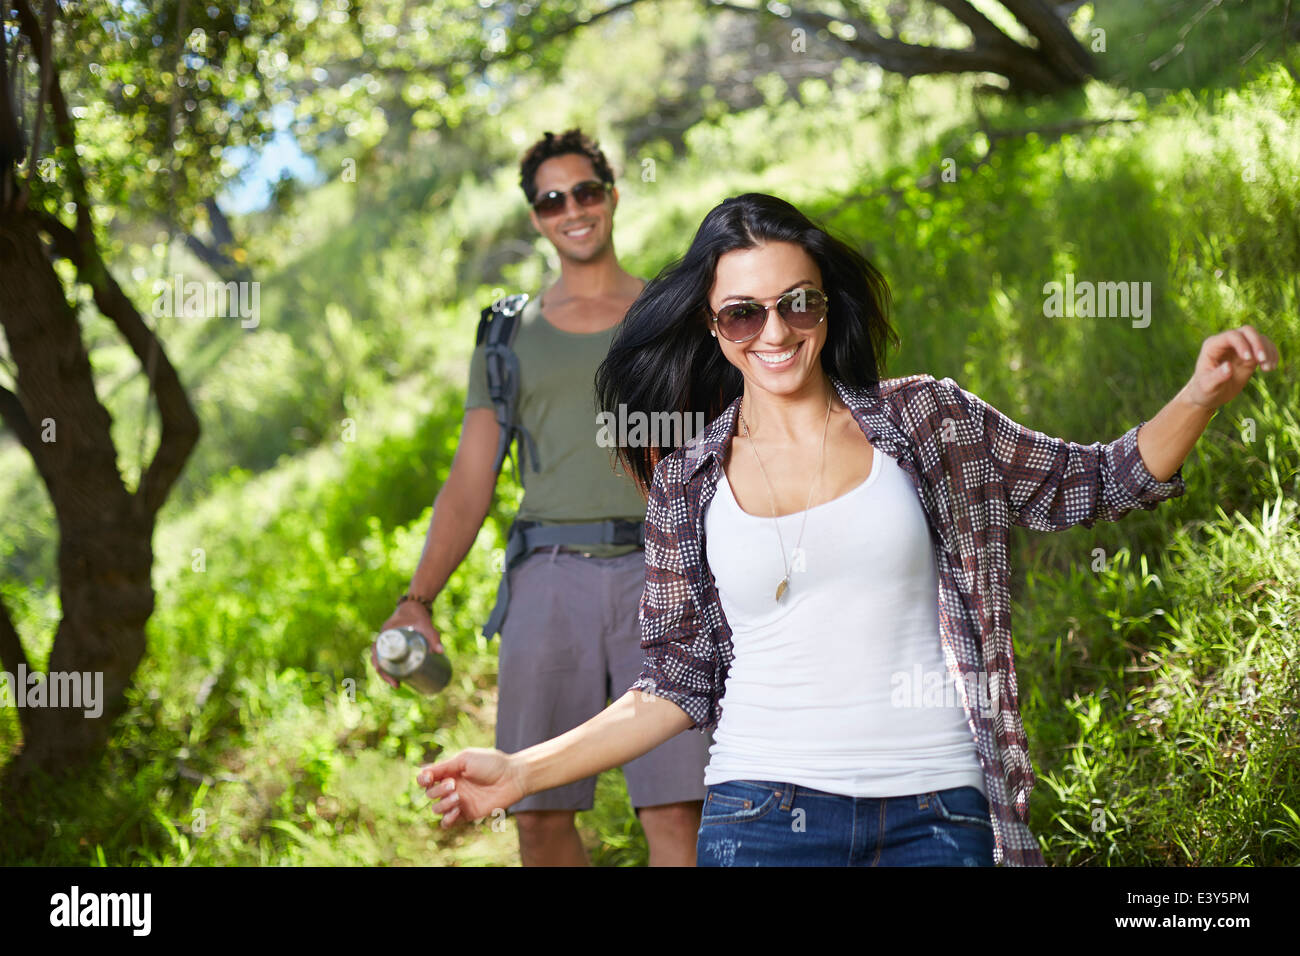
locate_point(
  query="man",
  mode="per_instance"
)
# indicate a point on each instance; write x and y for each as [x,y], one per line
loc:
[571,635]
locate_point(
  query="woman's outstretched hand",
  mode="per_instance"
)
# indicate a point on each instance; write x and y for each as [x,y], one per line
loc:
[1226,363]
[472,785]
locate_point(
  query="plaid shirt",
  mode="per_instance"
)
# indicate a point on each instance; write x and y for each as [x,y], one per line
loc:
[977,472]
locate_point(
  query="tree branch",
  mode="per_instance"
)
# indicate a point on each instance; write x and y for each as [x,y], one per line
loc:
[180,426]
[1159,62]
[225,267]
[577,23]
[983,30]
[12,656]
[64,131]
[46,73]
[1061,49]
[11,136]
[214,255]
[442,70]
[1023,67]
[15,416]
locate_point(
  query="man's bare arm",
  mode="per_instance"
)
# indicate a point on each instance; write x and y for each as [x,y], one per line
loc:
[462,503]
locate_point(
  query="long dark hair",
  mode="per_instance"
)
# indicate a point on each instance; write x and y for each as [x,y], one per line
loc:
[663,359]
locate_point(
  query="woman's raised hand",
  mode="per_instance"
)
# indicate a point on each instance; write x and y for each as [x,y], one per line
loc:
[1226,363]
[474,784]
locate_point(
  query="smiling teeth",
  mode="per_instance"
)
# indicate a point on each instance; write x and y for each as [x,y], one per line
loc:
[776,359]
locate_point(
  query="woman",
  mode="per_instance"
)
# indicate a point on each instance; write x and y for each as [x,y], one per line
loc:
[795,551]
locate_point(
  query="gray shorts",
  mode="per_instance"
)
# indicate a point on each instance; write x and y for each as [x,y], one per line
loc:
[570,644]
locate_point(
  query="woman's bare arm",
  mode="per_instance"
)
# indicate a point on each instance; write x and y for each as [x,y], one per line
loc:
[633,725]
[477,782]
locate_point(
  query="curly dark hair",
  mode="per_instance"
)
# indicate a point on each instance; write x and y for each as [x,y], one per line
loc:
[550,146]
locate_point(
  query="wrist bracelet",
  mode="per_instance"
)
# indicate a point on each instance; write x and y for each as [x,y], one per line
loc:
[427,602]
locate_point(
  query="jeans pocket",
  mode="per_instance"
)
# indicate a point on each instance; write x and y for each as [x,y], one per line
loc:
[962,805]
[738,801]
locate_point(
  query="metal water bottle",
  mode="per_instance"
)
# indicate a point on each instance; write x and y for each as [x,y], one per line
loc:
[404,655]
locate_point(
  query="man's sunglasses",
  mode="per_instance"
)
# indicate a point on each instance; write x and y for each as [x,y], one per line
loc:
[589,193]
[801,309]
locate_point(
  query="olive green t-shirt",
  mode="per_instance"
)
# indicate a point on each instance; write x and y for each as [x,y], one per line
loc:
[576,482]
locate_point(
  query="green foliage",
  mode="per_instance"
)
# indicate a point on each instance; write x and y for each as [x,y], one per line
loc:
[1176,744]
[1163,45]
[127,69]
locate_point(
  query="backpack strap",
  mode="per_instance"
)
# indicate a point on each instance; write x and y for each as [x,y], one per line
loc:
[496,332]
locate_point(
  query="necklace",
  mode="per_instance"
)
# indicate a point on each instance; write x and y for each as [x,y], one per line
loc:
[784,583]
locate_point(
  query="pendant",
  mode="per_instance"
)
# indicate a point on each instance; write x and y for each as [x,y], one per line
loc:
[780,588]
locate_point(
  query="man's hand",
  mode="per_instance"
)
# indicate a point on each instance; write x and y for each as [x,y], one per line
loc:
[408,614]
[1226,363]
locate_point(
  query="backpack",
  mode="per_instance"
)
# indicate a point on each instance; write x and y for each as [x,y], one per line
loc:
[497,327]
[496,332]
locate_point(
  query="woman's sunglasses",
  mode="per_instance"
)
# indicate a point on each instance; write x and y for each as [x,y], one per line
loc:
[801,309]
[589,193]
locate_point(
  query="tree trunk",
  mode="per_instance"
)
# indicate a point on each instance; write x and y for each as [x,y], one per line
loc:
[105,532]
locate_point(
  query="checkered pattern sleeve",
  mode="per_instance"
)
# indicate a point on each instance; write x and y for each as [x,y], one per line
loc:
[680,656]
[1052,484]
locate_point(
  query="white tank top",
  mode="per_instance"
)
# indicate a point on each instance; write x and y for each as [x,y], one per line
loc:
[842,686]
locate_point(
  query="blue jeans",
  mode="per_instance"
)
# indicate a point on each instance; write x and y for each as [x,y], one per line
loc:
[769,823]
